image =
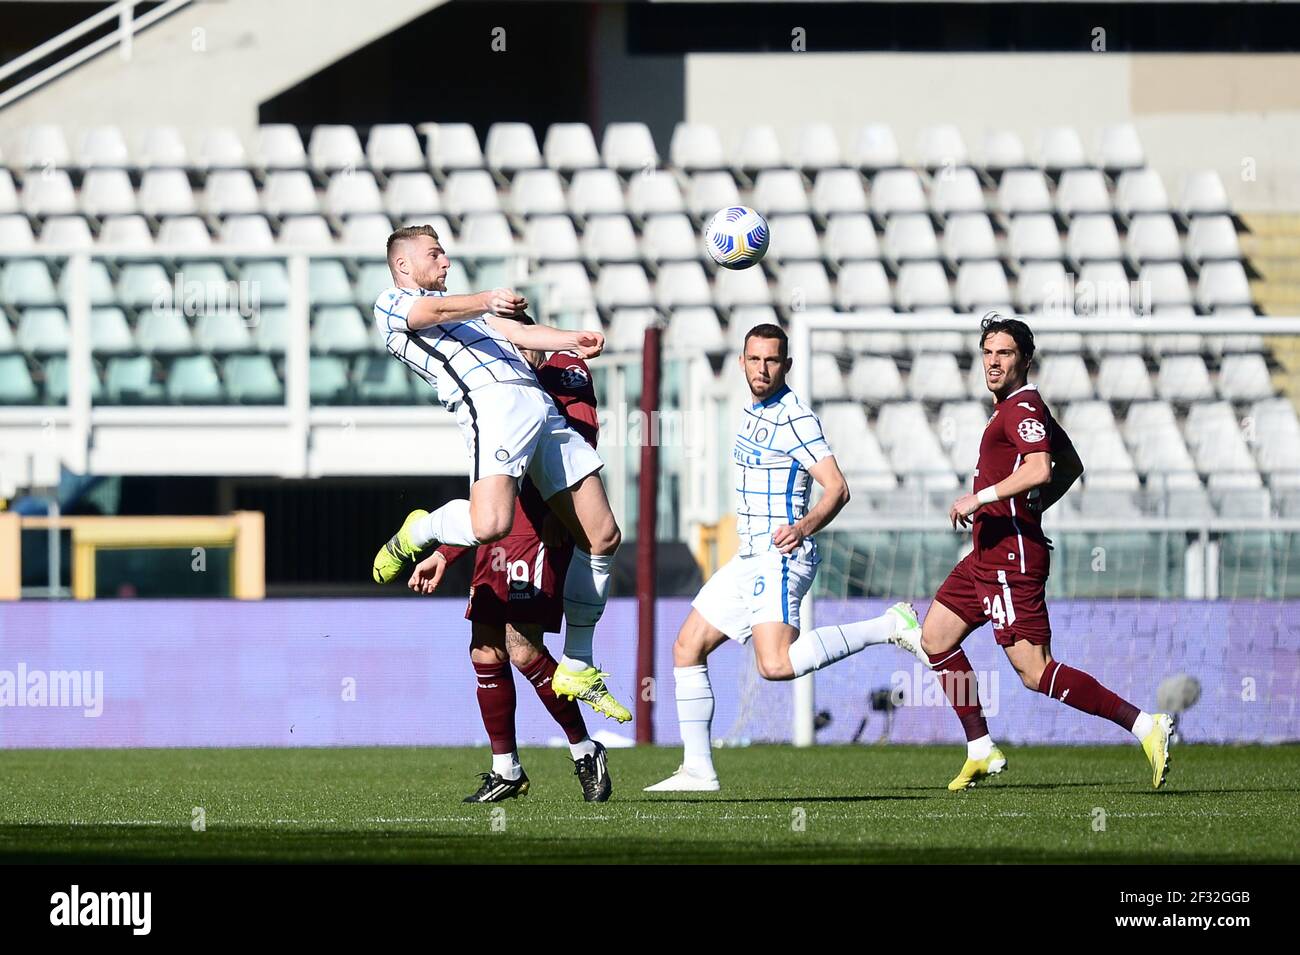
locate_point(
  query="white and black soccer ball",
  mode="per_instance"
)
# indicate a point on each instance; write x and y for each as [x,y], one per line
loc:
[736,237]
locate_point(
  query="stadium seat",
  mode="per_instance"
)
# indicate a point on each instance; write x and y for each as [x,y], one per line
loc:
[130,380]
[1212,237]
[271,329]
[44,147]
[1003,150]
[50,194]
[1023,191]
[758,148]
[16,385]
[1108,503]
[42,331]
[935,377]
[1060,147]
[382,381]
[1152,237]
[289,193]
[664,238]
[125,232]
[340,329]
[1123,378]
[982,285]
[741,287]
[623,285]
[16,234]
[393,148]
[793,237]
[816,147]
[372,278]
[838,191]
[629,147]
[1248,503]
[941,147]
[876,148]
[857,451]
[334,148]
[468,191]
[1152,434]
[910,238]
[251,380]
[922,285]
[655,194]
[26,283]
[1276,438]
[828,378]
[710,191]
[745,317]
[489,235]
[1081,192]
[328,380]
[905,434]
[956,191]
[103,147]
[695,329]
[1140,191]
[570,146]
[8,193]
[960,428]
[1034,237]
[1093,238]
[1183,378]
[411,194]
[231,192]
[1203,195]
[803,285]
[850,236]
[107,192]
[1166,283]
[895,191]
[109,332]
[1052,342]
[696,146]
[535,192]
[1120,148]
[453,146]
[682,284]
[221,148]
[193,379]
[56,382]
[367,231]
[596,192]
[1244,378]
[99,285]
[968,236]
[954,343]
[567,286]
[1222,283]
[1064,378]
[247,231]
[163,331]
[780,191]
[188,233]
[141,284]
[1214,436]
[279,147]
[65,231]
[552,238]
[327,283]
[1043,285]
[350,193]
[611,239]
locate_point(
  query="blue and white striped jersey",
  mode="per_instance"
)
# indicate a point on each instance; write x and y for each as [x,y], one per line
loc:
[454,357]
[779,440]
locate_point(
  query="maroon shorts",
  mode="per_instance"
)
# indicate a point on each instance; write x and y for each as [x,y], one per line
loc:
[1016,605]
[519,580]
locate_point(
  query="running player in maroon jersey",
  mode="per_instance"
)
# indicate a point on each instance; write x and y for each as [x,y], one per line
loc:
[1026,464]
[516,597]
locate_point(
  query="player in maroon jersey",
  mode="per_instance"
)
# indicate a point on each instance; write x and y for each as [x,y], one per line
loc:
[1026,464]
[516,597]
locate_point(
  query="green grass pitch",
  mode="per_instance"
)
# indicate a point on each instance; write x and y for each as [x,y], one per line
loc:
[831,804]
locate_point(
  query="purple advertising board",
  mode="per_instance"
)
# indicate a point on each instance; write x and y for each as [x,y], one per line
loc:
[343,672]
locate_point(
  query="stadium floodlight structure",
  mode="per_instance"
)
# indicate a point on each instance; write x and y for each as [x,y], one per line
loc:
[1201,568]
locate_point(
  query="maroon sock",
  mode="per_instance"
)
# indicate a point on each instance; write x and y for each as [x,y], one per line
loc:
[1076,688]
[958,681]
[496,701]
[566,712]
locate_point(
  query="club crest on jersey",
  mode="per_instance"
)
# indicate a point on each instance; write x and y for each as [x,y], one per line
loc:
[502,454]
[574,378]
[1031,430]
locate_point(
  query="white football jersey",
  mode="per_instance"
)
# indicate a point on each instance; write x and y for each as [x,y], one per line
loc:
[454,357]
[779,440]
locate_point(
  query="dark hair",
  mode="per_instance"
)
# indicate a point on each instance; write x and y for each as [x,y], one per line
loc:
[993,322]
[767,330]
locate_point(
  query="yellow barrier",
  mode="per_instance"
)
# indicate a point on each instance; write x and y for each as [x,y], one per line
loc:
[243,531]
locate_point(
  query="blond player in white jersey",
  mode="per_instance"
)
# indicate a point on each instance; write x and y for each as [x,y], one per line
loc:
[467,346]
[779,451]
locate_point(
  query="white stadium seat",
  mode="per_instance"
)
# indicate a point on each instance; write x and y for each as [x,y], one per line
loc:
[1103,287]
[838,191]
[231,192]
[746,317]
[982,285]
[623,286]
[469,191]
[411,194]
[8,193]
[49,194]
[1203,195]
[1222,283]
[1212,237]
[1140,190]
[654,194]
[16,234]
[863,285]
[627,327]
[682,284]
[247,231]
[184,232]
[1041,284]
[710,191]
[162,147]
[759,148]
[857,451]
[668,238]
[816,147]
[935,377]
[488,234]
[1244,378]
[629,147]
[1214,436]
[1064,378]
[107,192]
[1082,191]
[1183,378]
[910,237]
[803,285]
[895,191]
[1277,435]
[696,146]
[568,287]
[1119,147]
[1153,237]
[1093,238]
[221,148]
[511,147]
[537,192]
[695,329]
[307,230]
[279,147]
[1152,434]
[1166,282]
[778,191]
[289,193]
[969,236]
[103,147]
[596,192]
[850,236]
[876,148]
[453,146]
[1123,378]
[394,148]
[611,239]
[1034,236]
[741,287]
[334,148]
[922,285]
[1003,149]
[44,147]
[941,147]
[66,232]
[365,231]
[874,379]
[569,147]
[1060,147]
[1023,191]
[961,427]
[166,192]
[955,191]
[793,237]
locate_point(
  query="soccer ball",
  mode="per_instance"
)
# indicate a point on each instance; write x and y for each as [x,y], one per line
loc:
[736,237]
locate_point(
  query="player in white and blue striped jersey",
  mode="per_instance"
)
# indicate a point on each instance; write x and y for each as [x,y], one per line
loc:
[467,346]
[779,452]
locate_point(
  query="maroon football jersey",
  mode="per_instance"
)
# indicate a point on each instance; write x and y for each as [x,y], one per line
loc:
[1009,534]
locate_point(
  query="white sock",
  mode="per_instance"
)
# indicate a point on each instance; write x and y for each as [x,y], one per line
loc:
[449,524]
[585,748]
[695,718]
[1143,725]
[586,588]
[507,764]
[821,647]
[979,748]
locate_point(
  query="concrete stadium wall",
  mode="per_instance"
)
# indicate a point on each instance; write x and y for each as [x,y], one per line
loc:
[1193,111]
[396,672]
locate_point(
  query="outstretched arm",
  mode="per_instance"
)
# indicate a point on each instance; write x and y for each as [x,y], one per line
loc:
[546,338]
[430,310]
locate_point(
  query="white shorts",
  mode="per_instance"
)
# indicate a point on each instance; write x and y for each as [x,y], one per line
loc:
[765,588]
[516,429]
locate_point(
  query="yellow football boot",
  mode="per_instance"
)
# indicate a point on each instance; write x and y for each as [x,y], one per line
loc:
[588,686]
[1156,745]
[976,769]
[398,552]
